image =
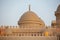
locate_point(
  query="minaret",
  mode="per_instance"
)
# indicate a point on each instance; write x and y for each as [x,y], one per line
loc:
[57,14]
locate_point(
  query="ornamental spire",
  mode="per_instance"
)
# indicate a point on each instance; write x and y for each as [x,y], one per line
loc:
[29,8]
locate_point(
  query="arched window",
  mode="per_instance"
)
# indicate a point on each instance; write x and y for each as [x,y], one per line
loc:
[38,34]
[31,34]
[34,34]
[22,34]
[19,34]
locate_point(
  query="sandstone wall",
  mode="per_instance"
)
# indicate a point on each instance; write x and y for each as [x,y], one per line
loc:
[28,38]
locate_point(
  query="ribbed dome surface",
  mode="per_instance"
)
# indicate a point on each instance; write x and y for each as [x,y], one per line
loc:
[30,17]
[57,13]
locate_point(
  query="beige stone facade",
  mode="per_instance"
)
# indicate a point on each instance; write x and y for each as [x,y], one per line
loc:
[31,27]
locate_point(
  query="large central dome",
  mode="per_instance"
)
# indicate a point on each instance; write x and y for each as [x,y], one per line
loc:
[30,19]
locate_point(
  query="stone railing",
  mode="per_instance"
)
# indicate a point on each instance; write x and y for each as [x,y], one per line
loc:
[28,38]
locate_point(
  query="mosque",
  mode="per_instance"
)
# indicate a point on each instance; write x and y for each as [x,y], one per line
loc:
[30,25]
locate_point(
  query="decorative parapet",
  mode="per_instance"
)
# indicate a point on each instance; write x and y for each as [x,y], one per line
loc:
[28,38]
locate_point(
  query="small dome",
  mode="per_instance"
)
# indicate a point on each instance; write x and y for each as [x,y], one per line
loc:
[30,17]
[53,24]
[54,21]
[57,13]
[58,9]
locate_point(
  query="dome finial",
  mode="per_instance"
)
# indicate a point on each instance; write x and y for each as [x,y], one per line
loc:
[29,7]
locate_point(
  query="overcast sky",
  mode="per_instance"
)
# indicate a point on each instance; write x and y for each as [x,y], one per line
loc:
[12,10]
